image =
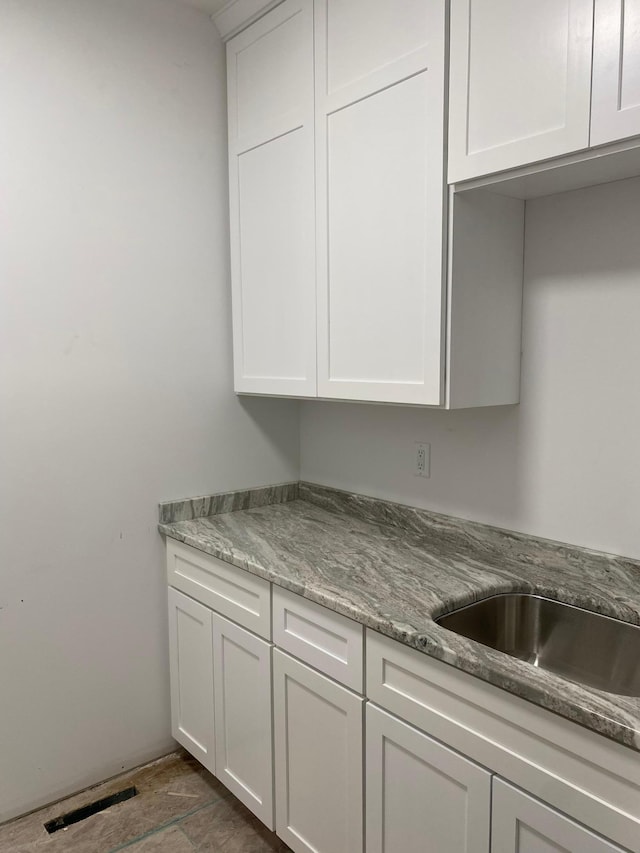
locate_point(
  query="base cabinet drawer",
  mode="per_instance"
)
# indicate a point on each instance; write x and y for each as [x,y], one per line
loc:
[522,824]
[328,641]
[191,676]
[228,590]
[418,789]
[242,702]
[318,760]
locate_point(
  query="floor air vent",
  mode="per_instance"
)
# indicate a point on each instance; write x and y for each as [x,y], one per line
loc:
[84,812]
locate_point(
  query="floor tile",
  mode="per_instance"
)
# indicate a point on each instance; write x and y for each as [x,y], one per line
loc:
[169,789]
[170,840]
[228,827]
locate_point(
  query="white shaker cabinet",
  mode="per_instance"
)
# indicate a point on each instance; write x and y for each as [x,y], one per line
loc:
[191,673]
[452,764]
[354,276]
[325,640]
[318,729]
[242,702]
[615,112]
[520,83]
[220,673]
[521,824]
[420,794]
[271,195]
[380,216]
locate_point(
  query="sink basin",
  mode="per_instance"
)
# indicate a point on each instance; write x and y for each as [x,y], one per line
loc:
[582,646]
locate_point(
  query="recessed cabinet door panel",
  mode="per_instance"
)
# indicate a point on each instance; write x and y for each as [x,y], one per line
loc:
[271,197]
[191,672]
[418,789]
[364,36]
[318,751]
[242,689]
[520,83]
[276,237]
[328,641]
[228,590]
[615,112]
[380,200]
[266,85]
[522,824]
[377,221]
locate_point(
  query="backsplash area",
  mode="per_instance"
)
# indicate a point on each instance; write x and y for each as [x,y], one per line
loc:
[565,463]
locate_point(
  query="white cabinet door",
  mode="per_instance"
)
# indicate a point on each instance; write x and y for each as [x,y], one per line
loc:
[191,673]
[520,83]
[521,824]
[615,111]
[380,198]
[271,196]
[318,760]
[242,696]
[421,795]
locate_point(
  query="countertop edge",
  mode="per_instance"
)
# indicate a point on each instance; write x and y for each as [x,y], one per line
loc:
[616,731]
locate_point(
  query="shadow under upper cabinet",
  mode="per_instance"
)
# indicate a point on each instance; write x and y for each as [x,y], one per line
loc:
[577,644]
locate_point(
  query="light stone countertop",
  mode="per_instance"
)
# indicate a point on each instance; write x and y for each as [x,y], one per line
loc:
[395,568]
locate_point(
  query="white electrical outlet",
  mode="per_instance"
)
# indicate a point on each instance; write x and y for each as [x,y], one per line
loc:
[422,460]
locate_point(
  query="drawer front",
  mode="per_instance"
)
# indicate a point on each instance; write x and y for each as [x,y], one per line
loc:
[231,591]
[326,640]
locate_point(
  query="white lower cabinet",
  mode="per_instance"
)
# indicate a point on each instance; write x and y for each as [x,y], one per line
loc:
[318,760]
[289,740]
[422,796]
[521,824]
[191,673]
[221,700]
[242,702]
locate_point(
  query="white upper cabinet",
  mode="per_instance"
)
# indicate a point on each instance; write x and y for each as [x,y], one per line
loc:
[520,82]
[380,215]
[615,112]
[271,193]
[353,277]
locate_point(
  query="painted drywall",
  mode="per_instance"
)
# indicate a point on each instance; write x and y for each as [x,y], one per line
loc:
[565,463]
[208,6]
[115,360]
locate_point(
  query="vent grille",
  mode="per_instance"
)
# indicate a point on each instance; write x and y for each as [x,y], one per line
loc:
[75,816]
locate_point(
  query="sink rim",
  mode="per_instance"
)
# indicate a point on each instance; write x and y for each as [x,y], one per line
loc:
[537,636]
[633,620]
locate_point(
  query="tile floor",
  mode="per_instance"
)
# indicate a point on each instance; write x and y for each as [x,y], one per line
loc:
[180,808]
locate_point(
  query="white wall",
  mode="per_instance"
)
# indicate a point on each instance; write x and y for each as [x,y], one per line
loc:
[565,464]
[115,360]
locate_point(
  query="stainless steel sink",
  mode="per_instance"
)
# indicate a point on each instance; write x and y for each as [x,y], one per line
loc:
[580,645]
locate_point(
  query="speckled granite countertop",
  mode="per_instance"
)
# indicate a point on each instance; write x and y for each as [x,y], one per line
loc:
[395,569]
